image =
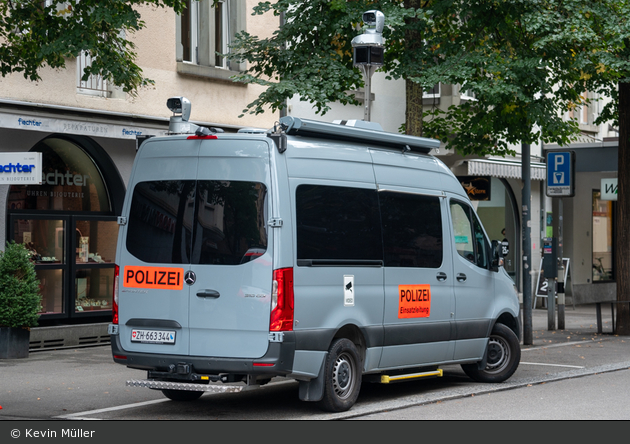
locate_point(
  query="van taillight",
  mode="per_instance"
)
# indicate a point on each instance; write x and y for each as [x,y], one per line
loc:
[115,298]
[282,300]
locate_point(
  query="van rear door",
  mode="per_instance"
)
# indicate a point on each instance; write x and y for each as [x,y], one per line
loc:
[154,248]
[230,294]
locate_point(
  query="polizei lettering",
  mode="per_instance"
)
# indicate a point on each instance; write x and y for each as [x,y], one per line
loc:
[166,278]
[414,301]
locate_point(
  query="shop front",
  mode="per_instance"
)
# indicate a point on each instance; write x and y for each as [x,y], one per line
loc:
[69,224]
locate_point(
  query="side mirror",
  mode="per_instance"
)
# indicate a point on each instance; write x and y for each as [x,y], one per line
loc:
[497,258]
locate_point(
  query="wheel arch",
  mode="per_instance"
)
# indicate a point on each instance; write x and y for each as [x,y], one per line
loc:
[509,321]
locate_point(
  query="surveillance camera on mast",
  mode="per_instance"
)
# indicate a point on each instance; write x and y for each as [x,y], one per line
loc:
[368,49]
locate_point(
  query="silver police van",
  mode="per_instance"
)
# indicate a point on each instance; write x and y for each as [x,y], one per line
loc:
[327,253]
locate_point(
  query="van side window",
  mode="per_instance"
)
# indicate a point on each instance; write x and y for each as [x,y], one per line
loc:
[337,223]
[470,241]
[412,230]
[205,222]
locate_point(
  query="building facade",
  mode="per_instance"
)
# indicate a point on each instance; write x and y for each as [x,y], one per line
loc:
[88,133]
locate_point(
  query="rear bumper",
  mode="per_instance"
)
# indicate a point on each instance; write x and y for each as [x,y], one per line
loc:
[278,361]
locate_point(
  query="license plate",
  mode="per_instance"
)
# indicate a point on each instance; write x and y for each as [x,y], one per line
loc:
[153,336]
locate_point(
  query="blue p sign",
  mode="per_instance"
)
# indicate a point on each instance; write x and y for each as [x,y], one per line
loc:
[560,173]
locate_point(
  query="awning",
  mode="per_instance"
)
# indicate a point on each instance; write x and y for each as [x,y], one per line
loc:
[504,168]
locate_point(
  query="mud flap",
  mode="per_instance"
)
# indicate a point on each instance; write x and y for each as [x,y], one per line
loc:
[313,390]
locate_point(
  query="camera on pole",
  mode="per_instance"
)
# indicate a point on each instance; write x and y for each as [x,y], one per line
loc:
[368,49]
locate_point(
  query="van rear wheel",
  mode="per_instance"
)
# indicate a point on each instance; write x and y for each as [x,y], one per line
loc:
[181,395]
[342,376]
[504,355]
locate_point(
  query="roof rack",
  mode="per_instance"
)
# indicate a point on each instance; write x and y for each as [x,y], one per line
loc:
[314,128]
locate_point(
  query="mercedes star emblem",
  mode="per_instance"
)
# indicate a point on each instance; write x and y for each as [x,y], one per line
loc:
[190,277]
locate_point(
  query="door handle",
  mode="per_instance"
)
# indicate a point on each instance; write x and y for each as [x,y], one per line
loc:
[441,276]
[208,294]
[461,277]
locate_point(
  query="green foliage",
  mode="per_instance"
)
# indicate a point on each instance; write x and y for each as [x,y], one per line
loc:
[526,61]
[20,300]
[35,36]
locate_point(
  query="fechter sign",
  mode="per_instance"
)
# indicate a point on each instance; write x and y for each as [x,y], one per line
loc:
[21,168]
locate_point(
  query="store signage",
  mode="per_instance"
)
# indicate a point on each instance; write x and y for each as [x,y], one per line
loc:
[476,187]
[609,189]
[21,168]
[31,123]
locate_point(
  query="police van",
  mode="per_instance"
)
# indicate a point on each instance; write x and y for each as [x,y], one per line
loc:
[333,254]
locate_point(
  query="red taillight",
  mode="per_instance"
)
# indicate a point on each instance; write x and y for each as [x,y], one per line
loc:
[115,298]
[282,300]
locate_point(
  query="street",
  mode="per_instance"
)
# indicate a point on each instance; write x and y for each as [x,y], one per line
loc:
[570,374]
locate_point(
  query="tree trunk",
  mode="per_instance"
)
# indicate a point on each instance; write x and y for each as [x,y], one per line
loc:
[413,91]
[413,113]
[622,246]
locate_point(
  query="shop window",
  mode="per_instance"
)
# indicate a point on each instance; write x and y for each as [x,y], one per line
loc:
[603,259]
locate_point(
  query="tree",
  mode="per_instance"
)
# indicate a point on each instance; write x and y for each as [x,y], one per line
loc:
[489,46]
[527,61]
[35,34]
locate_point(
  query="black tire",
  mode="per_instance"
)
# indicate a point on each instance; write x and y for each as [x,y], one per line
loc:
[182,395]
[504,355]
[342,376]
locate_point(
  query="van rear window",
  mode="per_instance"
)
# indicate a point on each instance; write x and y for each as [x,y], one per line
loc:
[198,222]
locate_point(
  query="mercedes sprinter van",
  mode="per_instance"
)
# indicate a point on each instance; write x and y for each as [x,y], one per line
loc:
[325,253]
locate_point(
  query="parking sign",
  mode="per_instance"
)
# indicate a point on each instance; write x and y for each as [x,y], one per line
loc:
[560,173]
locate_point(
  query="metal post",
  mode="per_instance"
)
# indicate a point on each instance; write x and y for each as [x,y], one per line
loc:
[551,303]
[368,71]
[561,269]
[527,245]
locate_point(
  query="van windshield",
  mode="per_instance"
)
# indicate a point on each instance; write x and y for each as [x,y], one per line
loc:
[198,222]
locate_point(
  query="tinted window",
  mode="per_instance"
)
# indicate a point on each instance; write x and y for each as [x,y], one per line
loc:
[231,222]
[205,222]
[160,221]
[412,230]
[337,223]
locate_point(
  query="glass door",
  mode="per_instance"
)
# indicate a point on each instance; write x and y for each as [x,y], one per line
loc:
[94,248]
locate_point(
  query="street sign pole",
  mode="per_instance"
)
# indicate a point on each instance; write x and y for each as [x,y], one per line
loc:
[528,336]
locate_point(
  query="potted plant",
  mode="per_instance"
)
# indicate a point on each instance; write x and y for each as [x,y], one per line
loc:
[20,300]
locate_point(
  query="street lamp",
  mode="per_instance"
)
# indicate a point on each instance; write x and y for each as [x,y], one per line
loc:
[368,51]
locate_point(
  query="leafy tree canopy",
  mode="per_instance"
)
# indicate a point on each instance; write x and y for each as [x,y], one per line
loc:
[526,61]
[36,33]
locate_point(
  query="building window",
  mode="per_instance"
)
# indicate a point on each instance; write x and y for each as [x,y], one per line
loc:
[603,258]
[432,93]
[204,33]
[95,85]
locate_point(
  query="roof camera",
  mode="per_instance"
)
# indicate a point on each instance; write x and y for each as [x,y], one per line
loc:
[374,19]
[179,105]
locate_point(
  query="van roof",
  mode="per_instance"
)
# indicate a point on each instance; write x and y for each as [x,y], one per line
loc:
[313,128]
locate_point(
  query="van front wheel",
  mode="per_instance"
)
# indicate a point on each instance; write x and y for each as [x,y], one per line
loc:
[342,376]
[504,355]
